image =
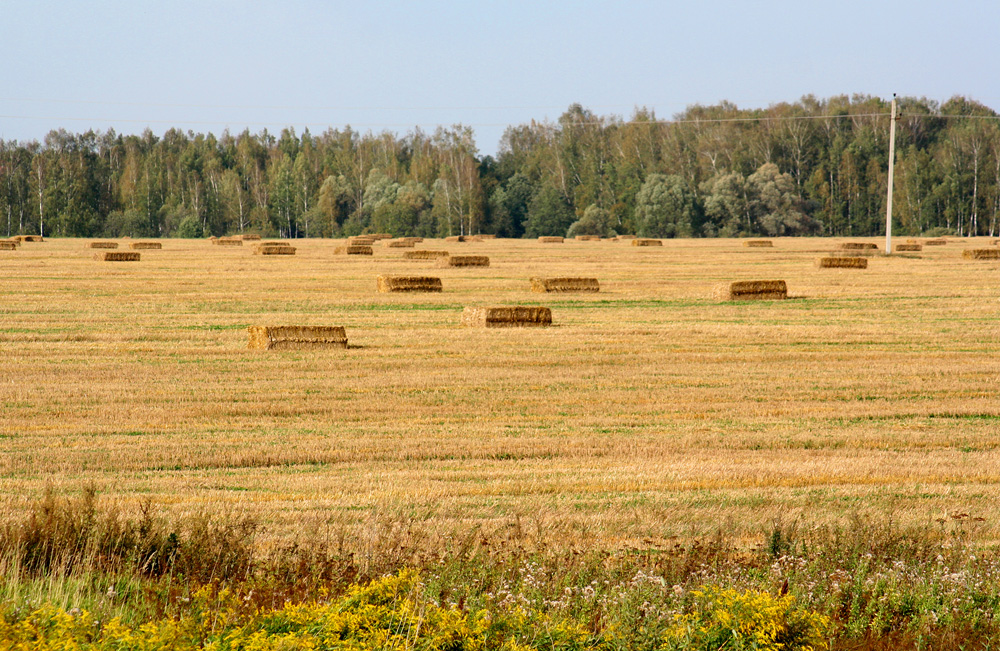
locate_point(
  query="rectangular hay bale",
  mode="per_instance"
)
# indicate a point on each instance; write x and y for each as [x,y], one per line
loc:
[842,263]
[464,261]
[117,256]
[102,245]
[981,254]
[144,245]
[409,284]
[398,244]
[940,241]
[565,285]
[28,238]
[456,238]
[643,241]
[353,250]
[909,247]
[858,246]
[752,290]
[227,241]
[296,337]
[8,245]
[249,237]
[423,254]
[273,249]
[550,239]
[762,244]
[507,317]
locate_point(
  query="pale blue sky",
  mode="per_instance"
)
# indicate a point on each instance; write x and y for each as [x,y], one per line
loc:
[205,65]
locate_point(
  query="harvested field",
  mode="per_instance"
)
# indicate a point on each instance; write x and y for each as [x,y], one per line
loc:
[409,284]
[118,256]
[464,261]
[903,248]
[765,244]
[842,262]
[753,290]
[565,285]
[858,246]
[981,254]
[506,317]
[273,249]
[296,337]
[353,249]
[102,245]
[550,239]
[136,246]
[422,254]
[642,241]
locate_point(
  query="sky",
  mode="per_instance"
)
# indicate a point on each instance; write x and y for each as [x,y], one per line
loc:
[212,65]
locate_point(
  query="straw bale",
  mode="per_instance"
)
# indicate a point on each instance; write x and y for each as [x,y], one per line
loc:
[360,241]
[940,241]
[641,241]
[422,254]
[464,261]
[353,249]
[456,238]
[227,241]
[273,249]
[296,337]
[981,254]
[275,243]
[8,245]
[488,236]
[145,245]
[587,238]
[752,290]
[763,244]
[858,246]
[247,237]
[620,238]
[398,244]
[117,256]
[102,245]
[474,238]
[842,262]
[409,284]
[565,285]
[550,239]
[506,317]
[909,247]
[28,238]
[381,236]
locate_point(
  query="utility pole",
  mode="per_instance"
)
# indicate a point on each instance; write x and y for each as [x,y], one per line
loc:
[892,163]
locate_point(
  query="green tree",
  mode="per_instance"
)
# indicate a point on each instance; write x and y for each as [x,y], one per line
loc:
[666,207]
[548,213]
[595,221]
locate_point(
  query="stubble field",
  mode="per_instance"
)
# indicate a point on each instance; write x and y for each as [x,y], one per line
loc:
[648,411]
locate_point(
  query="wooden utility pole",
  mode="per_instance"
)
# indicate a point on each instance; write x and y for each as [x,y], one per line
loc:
[892,164]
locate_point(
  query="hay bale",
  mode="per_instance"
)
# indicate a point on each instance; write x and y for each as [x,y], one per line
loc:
[398,244]
[249,237]
[842,263]
[464,261]
[455,238]
[102,245]
[273,249]
[642,241]
[858,246]
[488,236]
[752,290]
[565,285]
[388,284]
[587,238]
[275,243]
[381,236]
[28,238]
[474,238]
[759,244]
[550,239]
[422,254]
[353,249]
[940,241]
[8,245]
[145,245]
[296,337]
[622,238]
[909,247]
[506,317]
[117,256]
[227,241]
[981,254]
[360,241]
[415,240]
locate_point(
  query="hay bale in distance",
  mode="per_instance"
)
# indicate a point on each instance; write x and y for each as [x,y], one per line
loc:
[752,290]
[8,245]
[587,238]
[507,317]
[360,241]
[248,237]
[273,249]
[565,285]
[227,241]
[398,244]
[388,284]
[423,254]
[642,241]
[353,249]
[117,256]
[842,263]
[381,236]
[464,261]
[981,254]
[551,239]
[102,245]
[940,241]
[455,238]
[909,247]
[761,244]
[296,337]
[858,246]
[28,238]
[145,245]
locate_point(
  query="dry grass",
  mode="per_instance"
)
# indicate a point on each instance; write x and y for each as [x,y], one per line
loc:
[981,254]
[506,317]
[844,262]
[650,410]
[388,284]
[464,261]
[118,256]
[565,285]
[135,246]
[296,337]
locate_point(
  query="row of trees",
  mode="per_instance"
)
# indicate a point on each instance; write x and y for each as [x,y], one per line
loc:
[812,167]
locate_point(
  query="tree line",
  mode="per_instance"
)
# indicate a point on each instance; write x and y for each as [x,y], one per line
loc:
[813,167]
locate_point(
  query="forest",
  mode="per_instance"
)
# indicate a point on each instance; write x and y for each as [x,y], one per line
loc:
[813,167]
